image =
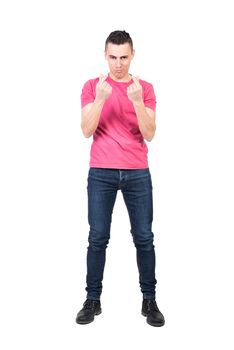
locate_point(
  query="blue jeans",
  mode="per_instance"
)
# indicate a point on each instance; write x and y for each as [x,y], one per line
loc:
[136,188]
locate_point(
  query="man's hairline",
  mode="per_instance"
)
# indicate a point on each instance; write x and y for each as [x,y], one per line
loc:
[109,42]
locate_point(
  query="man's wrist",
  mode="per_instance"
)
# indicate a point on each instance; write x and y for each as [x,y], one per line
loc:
[99,101]
[138,103]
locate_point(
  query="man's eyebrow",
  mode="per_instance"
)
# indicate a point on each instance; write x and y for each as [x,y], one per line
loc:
[120,56]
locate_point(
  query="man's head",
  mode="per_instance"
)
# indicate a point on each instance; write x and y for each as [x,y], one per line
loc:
[119,53]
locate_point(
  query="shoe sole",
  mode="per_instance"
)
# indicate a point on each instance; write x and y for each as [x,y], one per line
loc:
[96,314]
[152,324]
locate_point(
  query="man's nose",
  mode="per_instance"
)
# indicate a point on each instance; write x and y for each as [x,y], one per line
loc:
[118,62]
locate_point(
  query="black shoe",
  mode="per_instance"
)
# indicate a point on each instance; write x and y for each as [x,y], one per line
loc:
[154,316]
[89,310]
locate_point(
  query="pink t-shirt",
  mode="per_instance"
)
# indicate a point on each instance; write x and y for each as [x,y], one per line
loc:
[117,141]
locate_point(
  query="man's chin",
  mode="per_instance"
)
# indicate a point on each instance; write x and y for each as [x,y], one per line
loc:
[119,75]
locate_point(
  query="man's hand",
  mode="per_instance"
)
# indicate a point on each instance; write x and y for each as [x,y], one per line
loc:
[134,91]
[103,89]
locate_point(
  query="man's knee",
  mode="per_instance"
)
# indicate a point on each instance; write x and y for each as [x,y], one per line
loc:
[143,241]
[98,240]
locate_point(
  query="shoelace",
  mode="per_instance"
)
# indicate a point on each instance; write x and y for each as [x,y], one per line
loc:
[151,305]
[89,304]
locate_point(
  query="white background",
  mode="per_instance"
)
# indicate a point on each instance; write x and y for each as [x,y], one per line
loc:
[48,50]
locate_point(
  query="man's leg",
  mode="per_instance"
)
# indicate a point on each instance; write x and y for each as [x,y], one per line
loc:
[102,190]
[137,193]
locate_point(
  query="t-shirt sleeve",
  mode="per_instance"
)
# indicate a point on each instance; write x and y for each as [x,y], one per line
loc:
[150,97]
[87,94]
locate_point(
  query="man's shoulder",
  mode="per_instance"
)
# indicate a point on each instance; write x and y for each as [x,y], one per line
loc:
[91,81]
[145,83]
[90,85]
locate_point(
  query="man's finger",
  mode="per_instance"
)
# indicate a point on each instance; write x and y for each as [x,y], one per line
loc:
[102,77]
[136,80]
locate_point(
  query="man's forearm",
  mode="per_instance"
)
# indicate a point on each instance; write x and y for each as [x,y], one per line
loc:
[146,122]
[90,120]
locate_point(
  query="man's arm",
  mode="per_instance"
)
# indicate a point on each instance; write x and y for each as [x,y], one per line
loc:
[145,115]
[91,112]
[146,120]
[90,117]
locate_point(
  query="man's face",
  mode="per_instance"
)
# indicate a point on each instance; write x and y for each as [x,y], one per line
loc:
[119,58]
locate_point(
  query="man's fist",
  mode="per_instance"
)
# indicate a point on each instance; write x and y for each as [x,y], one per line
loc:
[134,91]
[103,89]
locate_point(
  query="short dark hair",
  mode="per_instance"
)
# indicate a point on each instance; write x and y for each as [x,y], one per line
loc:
[119,37]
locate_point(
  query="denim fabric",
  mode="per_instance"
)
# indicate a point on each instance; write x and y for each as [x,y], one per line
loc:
[136,188]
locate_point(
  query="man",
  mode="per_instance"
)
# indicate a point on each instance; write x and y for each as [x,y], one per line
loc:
[118,109]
